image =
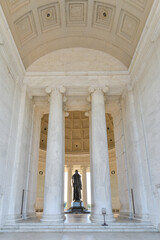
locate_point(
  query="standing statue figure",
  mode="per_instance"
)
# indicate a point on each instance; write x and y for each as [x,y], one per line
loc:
[77,186]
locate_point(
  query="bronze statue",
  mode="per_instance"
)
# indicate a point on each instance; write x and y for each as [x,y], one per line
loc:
[77,186]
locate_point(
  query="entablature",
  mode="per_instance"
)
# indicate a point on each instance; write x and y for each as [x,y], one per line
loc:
[77,83]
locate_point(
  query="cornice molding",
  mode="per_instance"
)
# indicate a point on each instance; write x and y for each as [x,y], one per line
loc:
[116,81]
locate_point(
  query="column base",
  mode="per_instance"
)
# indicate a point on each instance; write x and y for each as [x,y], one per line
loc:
[131,216]
[14,218]
[59,218]
[99,218]
[128,215]
[28,215]
[141,217]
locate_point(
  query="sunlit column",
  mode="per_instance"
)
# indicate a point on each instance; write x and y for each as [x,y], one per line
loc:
[54,178]
[100,175]
[84,187]
[69,192]
[137,167]
[31,186]
[14,212]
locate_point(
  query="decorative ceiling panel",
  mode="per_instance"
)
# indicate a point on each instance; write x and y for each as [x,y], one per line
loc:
[140,4]
[86,145]
[86,133]
[76,123]
[85,123]
[14,5]
[75,115]
[77,145]
[68,123]
[113,27]
[128,26]
[76,133]
[68,133]
[103,15]
[77,139]
[26,28]
[68,145]
[76,12]
[49,16]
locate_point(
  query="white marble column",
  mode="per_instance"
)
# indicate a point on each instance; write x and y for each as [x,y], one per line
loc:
[122,165]
[54,179]
[84,187]
[15,197]
[100,175]
[141,206]
[30,201]
[69,192]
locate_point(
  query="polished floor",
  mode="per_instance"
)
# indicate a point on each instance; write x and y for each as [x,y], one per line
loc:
[78,218]
[80,236]
[24,230]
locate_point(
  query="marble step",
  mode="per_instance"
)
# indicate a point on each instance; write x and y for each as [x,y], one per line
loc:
[111,224]
[79,228]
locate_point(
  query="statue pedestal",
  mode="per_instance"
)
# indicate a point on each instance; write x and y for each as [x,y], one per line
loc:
[77,204]
[77,207]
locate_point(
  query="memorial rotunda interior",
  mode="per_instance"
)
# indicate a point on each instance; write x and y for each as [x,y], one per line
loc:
[79,89]
[77,154]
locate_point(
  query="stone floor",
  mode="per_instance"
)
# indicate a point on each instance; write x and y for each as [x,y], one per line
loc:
[80,236]
[78,226]
[77,218]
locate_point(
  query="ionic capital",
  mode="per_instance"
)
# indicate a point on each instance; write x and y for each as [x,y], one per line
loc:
[104,89]
[50,89]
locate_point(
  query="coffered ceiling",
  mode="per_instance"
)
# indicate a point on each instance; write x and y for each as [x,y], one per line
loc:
[77,132]
[42,26]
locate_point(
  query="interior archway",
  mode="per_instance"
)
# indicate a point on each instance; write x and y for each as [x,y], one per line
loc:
[40,27]
[76,60]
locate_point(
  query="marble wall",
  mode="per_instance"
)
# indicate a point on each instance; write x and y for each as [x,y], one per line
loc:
[134,156]
[122,167]
[147,104]
[23,166]
[30,200]
[9,110]
[14,162]
[18,164]
[142,131]
[16,110]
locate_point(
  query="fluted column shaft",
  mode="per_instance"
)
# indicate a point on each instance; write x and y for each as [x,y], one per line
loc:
[137,167]
[69,192]
[54,180]
[100,175]
[84,187]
